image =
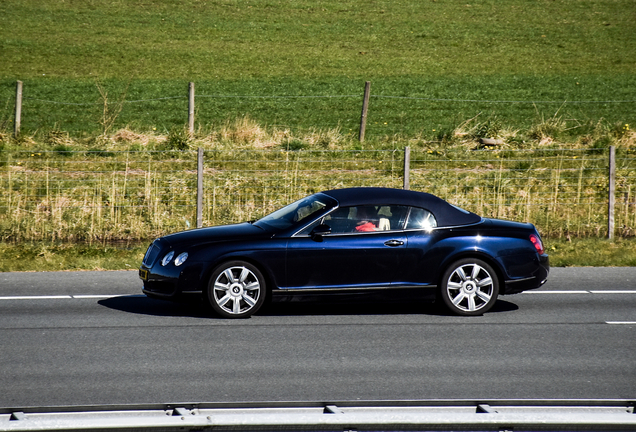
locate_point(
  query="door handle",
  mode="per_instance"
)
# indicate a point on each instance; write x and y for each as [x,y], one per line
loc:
[394,243]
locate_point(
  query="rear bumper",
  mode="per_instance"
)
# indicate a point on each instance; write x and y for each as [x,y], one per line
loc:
[537,279]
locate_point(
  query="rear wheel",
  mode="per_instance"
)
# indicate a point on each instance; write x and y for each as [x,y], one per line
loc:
[236,289]
[469,287]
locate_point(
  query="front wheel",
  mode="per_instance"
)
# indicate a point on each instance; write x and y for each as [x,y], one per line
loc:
[236,289]
[469,287]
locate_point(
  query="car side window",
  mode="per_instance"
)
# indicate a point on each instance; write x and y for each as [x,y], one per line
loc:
[392,218]
[420,218]
[341,220]
[366,218]
[307,230]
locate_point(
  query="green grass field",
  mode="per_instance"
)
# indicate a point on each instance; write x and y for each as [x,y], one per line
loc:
[578,52]
[316,40]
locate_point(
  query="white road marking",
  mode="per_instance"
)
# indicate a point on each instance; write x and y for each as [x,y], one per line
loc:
[614,292]
[100,296]
[621,322]
[56,297]
[582,292]
[36,297]
[556,292]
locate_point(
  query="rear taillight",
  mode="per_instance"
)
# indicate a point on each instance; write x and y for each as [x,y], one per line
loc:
[536,241]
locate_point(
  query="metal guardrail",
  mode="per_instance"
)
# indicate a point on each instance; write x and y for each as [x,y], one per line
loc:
[430,415]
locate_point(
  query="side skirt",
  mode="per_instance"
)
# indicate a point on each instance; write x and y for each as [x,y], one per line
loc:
[312,290]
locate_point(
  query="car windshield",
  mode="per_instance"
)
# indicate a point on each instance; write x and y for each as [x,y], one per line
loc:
[299,211]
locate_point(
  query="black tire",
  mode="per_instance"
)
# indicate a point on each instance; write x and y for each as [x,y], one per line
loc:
[236,289]
[469,287]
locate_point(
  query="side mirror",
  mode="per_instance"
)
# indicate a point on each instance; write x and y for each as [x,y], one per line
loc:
[320,231]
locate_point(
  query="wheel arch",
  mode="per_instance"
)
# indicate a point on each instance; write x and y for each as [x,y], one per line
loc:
[487,258]
[236,290]
[205,278]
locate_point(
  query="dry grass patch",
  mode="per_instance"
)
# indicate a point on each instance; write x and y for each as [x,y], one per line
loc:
[246,132]
[126,136]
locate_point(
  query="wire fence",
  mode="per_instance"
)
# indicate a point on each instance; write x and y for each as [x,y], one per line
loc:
[84,110]
[105,196]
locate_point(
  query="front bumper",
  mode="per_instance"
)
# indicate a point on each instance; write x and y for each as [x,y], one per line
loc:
[159,283]
[168,281]
[171,283]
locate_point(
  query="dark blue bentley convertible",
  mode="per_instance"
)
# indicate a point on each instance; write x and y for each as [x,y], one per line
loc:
[356,239]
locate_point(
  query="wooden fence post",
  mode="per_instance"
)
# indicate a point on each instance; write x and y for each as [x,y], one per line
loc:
[200,188]
[612,193]
[407,168]
[18,109]
[191,108]
[365,107]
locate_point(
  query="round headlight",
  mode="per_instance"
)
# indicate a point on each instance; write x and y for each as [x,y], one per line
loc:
[167,258]
[181,259]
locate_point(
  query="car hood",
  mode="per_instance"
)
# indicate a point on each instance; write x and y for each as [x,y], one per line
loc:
[215,234]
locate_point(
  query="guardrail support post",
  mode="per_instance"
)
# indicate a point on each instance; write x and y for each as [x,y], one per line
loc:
[407,168]
[200,188]
[612,193]
[191,108]
[18,109]
[365,108]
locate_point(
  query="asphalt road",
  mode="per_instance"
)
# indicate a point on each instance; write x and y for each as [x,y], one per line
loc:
[85,338]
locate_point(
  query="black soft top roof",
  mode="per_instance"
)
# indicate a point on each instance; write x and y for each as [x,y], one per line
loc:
[446,214]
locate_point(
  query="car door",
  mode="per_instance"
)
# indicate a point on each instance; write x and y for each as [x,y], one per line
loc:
[422,258]
[353,255]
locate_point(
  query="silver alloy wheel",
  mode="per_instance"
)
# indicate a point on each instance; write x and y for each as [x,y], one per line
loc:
[237,290]
[470,287]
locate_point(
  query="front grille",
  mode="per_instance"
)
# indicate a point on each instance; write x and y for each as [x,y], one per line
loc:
[151,255]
